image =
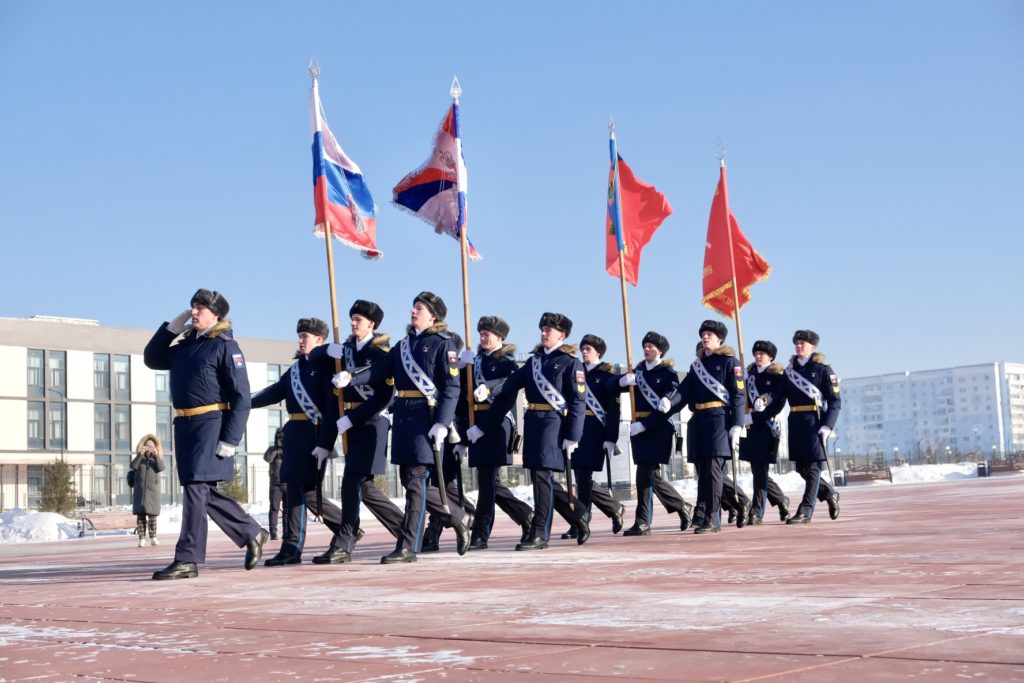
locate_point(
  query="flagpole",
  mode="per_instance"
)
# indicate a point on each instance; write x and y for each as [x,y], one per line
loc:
[314,71]
[622,266]
[456,91]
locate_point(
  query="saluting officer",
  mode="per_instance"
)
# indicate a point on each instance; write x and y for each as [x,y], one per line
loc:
[366,427]
[425,369]
[555,385]
[655,380]
[812,389]
[714,390]
[210,393]
[600,432]
[309,436]
[493,363]
[761,446]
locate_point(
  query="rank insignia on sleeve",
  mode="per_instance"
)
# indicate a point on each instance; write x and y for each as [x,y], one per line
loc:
[581,389]
[738,371]
[835,383]
[453,357]
[740,384]
[581,377]
[454,372]
[238,360]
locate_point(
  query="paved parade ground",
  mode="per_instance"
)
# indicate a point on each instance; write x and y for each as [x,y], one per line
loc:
[914,582]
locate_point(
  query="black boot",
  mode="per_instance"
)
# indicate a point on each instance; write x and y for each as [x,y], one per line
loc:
[799,518]
[254,551]
[743,516]
[833,505]
[617,520]
[583,529]
[527,527]
[177,570]
[685,517]
[462,538]
[398,557]
[333,556]
[284,557]
[478,543]
[431,539]
[533,543]
[569,533]
[637,530]
[707,528]
[784,509]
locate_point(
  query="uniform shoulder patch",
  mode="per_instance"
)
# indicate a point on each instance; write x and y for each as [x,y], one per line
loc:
[454,372]
[581,377]
[238,360]
[453,357]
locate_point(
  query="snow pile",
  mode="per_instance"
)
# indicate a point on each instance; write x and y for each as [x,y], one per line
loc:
[19,526]
[905,474]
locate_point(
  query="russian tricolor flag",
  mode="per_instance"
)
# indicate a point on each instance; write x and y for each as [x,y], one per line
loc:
[340,196]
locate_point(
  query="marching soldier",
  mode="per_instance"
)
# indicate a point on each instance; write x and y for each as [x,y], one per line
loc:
[761,446]
[555,386]
[425,369]
[366,427]
[309,436]
[812,389]
[600,432]
[210,393]
[272,456]
[713,389]
[655,380]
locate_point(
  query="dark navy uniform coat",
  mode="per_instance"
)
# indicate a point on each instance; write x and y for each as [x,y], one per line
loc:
[544,430]
[760,445]
[302,436]
[367,452]
[205,369]
[604,384]
[434,351]
[653,446]
[804,442]
[492,449]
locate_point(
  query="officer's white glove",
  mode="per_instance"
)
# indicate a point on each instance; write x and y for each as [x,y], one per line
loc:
[335,350]
[225,450]
[481,393]
[466,358]
[437,434]
[637,428]
[609,448]
[474,433]
[320,454]
[453,435]
[664,404]
[344,424]
[461,451]
[748,419]
[627,380]
[569,446]
[177,326]
[825,433]
[760,403]
[342,379]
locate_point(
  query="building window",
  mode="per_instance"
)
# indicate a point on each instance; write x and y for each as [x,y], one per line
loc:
[102,426]
[35,424]
[35,486]
[164,430]
[122,428]
[36,385]
[101,376]
[163,386]
[56,363]
[122,381]
[273,373]
[273,424]
[56,425]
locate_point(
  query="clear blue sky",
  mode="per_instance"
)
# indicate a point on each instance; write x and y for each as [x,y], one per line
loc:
[874,150]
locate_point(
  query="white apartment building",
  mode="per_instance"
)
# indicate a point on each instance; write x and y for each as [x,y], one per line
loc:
[971,410]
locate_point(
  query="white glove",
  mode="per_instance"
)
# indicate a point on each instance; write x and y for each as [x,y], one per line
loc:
[627,380]
[825,433]
[664,404]
[569,446]
[342,379]
[453,435]
[437,434]
[335,350]
[466,358]
[225,450]
[344,424]
[609,448]
[760,403]
[637,428]
[748,419]
[481,393]
[461,451]
[177,326]
[474,433]
[321,454]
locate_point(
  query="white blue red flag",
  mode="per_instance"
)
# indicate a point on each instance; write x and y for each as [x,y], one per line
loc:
[340,196]
[436,191]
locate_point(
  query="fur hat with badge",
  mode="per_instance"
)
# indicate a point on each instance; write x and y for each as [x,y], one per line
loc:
[557,321]
[595,342]
[313,326]
[368,310]
[658,340]
[809,336]
[433,303]
[213,300]
[494,325]
[765,347]
[714,327]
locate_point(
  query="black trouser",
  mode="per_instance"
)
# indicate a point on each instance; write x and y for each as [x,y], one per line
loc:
[300,498]
[591,494]
[549,496]
[359,488]
[419,497]
[434,525]
[765,489]
[651,482]
[492,494]
[277,497]
[709,489]
[201,498]
[815,488]
[730,490]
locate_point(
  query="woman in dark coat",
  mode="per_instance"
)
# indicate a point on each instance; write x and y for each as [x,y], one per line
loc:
[144,477]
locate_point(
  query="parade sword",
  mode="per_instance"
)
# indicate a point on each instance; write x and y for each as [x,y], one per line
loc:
[568,477]
[824,447]
[438,462]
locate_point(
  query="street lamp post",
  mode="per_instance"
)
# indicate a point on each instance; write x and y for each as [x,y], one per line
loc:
[64,419]
[949,450]
[895,454]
